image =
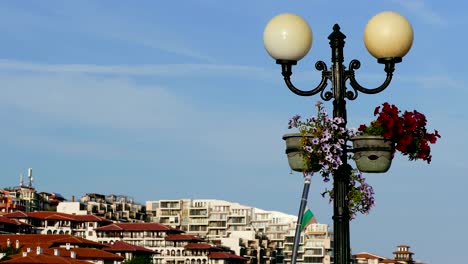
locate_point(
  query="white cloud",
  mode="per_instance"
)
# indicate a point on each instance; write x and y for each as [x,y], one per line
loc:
[143,70]
[74,148]
[104,100]
[90,101]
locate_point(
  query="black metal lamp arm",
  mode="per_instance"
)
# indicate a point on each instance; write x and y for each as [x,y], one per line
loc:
[286,70]
[355,64]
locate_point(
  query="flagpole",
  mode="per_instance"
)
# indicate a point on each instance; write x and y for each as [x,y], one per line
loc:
[297,236]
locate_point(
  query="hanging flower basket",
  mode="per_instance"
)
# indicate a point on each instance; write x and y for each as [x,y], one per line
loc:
[373,154]
[294,152]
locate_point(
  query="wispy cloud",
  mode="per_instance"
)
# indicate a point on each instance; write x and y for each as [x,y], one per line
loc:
[422,9]
[91,101]
[102,100]
[436,81]
[169,70]
[93,20]
[74,148]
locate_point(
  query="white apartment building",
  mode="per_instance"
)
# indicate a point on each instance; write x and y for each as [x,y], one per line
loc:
[114,207]
[251,232]
[211,219]
[314,247]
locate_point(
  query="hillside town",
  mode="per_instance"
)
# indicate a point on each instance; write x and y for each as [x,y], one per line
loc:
[42,227]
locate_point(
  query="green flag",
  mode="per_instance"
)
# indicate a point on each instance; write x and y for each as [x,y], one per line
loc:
[307,219]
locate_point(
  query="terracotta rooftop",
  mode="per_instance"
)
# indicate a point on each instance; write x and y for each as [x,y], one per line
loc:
[366,255]
[120,246]
[6,220]
[57,216]
[137,227]
[388,261]
[225,255]
[73,240]
[183,238]
[84,249]
[46,241]
[90,218]
[17,214]
[86,253]
[202,246]
[44,259]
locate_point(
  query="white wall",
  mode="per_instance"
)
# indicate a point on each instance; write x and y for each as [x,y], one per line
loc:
[70,208]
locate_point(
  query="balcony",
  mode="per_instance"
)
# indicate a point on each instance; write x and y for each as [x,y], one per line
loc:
[217,225]
[168,212]
[199,212]
[216,233]
[169,204]
[169,220]
[317,229]
[218,217]
[236,220]
[198,221]
[314,252]
[275,236]
[197,228]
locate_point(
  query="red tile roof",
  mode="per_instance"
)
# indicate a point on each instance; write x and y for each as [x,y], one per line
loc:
[32,258]
[84,249]
[202,246]
[17,214]
[225,255]
[57,216]
[91,218]
[183,238]
[388,261]
[73,240]
[137,227]
[46,241]
[198,246]
[7,220]
[366,255]
[86,253]
[120,246]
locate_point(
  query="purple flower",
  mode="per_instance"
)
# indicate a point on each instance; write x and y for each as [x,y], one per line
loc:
[327,139]
[338,120]
[325,148]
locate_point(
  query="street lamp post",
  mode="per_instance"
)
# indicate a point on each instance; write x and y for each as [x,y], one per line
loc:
[288,38]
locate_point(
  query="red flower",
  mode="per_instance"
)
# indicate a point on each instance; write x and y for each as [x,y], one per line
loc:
[409,122]
[388,134]
[388,122]
[400,147]
[406,139]
[431,138]
[376,111]
[408,131]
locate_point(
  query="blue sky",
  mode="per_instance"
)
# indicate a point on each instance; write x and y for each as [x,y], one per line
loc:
[178,99]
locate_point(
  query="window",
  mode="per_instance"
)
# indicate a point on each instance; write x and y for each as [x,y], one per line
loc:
[313,259]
